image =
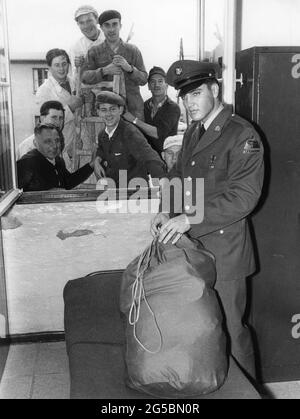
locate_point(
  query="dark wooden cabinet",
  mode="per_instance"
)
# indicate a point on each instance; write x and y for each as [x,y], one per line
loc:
[4,347]
[270,98]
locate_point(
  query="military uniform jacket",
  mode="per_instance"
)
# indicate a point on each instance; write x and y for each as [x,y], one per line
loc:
[128,150]
[229,157]
[36,173]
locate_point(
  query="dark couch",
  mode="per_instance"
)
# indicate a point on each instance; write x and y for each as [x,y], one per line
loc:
[95,341]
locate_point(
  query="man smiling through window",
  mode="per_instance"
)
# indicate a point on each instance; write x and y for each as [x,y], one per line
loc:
[161,113]
[117,58]
[42,169]
[59,86]
[122,146]
[87,21]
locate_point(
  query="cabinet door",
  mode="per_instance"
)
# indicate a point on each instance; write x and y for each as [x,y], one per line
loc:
[3,313]
[276,286]
[245,95]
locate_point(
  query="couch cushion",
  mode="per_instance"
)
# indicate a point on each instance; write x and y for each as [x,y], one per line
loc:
[92,309]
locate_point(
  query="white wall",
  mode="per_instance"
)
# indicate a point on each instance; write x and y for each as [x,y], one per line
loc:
[23,99]
[270,23]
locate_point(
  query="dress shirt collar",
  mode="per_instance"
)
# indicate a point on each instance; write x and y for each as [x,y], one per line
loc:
[154,108]
[110,134]
[56,84]
[212,117]
[118,48]
[52,161]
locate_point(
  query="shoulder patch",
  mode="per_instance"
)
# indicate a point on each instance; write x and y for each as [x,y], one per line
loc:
[252,146]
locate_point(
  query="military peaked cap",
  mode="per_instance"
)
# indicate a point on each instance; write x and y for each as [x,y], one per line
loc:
[187,75]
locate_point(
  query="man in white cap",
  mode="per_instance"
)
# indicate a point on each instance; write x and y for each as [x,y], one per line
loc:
[172,147]
[87,20]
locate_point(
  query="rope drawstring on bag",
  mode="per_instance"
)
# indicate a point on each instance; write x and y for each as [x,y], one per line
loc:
[138,295]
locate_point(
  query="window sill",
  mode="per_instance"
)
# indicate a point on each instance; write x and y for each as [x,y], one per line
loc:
[7,200]
[84,195]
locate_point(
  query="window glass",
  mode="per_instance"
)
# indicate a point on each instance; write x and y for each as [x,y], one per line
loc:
[39,76]
[61,31]
[6,181]
[3,72]
[214,30]
[5,151]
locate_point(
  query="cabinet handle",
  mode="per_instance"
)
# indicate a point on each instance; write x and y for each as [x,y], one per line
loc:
[240,80]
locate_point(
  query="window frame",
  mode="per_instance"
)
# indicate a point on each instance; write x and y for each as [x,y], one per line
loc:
[85,195]
[37,69]
[10,196]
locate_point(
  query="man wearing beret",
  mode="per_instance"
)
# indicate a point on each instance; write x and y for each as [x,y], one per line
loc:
[225,151]
[117,58]
[86,18]
[122,146]
[161,113]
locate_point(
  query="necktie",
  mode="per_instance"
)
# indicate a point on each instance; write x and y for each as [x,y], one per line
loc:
[197,136]
[201,131]
[66,85]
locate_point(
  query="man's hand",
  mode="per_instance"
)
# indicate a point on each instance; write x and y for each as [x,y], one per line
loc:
[79,60]
[158,221]
[174,229]
[74,103]
[128,117]
[122,62]
[112,70]
[98,168]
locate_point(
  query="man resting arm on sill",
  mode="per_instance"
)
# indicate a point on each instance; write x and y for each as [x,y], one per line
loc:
[42,169]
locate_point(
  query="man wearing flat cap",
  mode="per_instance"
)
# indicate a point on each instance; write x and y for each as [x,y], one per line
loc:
[86,18]
[42,168]
[161,113]
[171,149]
[117,58]
[122,146]
[225,151]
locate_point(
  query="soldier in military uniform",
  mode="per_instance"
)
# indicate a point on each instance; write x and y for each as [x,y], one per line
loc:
[227,153]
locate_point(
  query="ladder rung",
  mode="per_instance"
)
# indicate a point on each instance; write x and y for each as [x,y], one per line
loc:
[83,153]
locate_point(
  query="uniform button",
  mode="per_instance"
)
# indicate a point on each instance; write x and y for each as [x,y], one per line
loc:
[188,193]
[221,231]
[189,179]
[193,163]
[187,207]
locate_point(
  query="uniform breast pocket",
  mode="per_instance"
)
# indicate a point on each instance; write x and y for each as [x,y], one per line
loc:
[220,174]
[216,175]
